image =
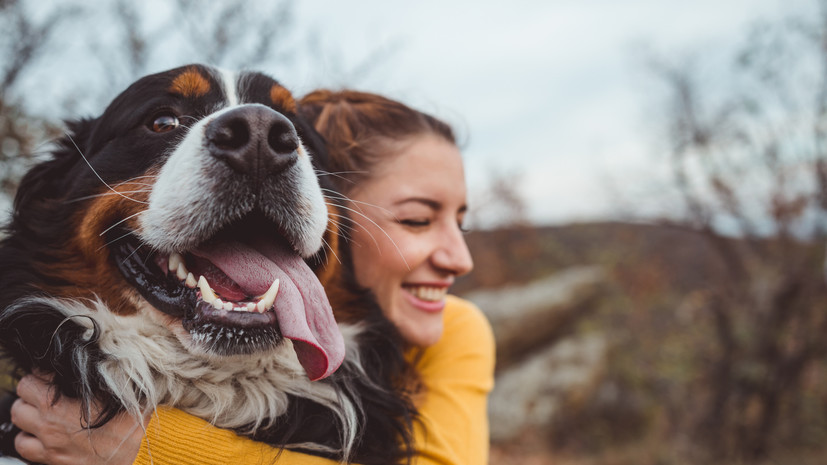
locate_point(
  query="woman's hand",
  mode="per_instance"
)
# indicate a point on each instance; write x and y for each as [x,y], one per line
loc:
[53,435]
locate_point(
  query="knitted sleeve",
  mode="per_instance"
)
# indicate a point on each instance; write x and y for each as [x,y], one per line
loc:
[175,437]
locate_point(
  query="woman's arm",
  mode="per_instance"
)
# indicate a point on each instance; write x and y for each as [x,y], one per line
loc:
[457,373]
[177,438]
[53,435]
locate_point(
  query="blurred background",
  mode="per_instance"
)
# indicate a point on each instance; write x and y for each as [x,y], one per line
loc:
[648,189]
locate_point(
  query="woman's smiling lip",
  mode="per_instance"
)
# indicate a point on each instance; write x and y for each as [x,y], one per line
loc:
[427,296]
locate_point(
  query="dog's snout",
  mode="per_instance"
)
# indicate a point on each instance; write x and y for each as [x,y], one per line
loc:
[253,140]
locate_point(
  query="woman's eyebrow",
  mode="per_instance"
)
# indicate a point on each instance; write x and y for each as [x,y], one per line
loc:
[433,204]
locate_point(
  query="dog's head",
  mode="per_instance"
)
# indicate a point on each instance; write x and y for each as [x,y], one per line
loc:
[193,199]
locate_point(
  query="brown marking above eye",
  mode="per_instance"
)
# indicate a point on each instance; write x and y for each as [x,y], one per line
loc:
[282,98]
[190,83]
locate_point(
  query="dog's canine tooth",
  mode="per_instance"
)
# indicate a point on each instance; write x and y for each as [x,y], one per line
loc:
[207,295]
[191,282]
[269,297]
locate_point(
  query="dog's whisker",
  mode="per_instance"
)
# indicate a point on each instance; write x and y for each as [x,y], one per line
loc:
[401,255]
[115,240]
[80,152]
[105,194]
[334,173]
[331,251]
[339,174]
[133,253]
[340,196]
[119,222]
[133,183]
[342,225]
[133,179]
[340,229]
[324,250]
[356,205]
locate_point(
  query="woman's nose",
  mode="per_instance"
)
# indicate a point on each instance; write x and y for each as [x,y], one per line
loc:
[452,254]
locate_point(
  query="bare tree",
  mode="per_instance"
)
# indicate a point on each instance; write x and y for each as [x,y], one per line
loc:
[748,157]
[58,59]
[23,43]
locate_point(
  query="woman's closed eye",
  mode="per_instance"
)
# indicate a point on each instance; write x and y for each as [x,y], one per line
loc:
[415,222]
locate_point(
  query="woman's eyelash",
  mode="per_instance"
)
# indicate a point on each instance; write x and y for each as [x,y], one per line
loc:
[415,223]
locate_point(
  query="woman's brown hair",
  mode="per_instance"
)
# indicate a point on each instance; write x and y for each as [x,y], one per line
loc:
[361,129]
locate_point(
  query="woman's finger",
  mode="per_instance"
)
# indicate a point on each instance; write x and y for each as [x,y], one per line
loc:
[33,390]
[25,416]
[30,448]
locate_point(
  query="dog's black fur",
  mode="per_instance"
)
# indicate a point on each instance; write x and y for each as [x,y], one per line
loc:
[39,257]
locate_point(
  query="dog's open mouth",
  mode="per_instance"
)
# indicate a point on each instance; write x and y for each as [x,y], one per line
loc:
[240,292]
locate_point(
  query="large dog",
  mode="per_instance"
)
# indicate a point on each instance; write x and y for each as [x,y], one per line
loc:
[165,254]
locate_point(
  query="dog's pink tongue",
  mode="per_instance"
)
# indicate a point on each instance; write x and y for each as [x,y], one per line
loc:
[302,309]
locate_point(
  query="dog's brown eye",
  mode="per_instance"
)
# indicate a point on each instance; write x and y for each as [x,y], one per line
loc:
[164,123]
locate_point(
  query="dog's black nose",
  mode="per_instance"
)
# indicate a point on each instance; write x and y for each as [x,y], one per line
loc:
[253,140]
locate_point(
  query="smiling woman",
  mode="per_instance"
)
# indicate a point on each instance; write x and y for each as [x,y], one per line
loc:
[414,206]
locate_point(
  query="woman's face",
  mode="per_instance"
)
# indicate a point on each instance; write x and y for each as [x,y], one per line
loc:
[407,244]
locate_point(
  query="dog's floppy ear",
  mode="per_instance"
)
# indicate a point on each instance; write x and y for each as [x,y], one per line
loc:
[323,263]
[314,143]
[46,180]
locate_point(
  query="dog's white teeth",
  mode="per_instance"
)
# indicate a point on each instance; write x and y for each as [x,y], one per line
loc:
[269,297]
[207,295]
[182,272]
[191,282]
[175,259]
[177,266]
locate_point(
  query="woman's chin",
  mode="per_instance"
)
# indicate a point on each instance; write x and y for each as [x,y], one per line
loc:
[421,329]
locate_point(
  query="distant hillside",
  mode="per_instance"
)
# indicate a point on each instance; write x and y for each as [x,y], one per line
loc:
[702,339]
[521,254]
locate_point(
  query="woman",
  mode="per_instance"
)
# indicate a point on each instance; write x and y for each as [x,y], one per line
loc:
[402,176]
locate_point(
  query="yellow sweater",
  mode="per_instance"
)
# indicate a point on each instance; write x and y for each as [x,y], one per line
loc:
[458,374]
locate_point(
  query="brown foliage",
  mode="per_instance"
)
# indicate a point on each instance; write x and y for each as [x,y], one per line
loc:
[749,165]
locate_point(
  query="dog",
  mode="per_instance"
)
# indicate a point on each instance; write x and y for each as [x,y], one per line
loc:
[172,252]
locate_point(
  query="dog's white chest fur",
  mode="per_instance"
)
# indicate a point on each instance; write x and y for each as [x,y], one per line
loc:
[147,366]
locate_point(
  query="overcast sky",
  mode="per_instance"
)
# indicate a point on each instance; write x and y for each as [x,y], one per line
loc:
[553,90]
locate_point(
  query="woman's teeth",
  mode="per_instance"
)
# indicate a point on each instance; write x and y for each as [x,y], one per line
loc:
[428,293]
[264,303]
